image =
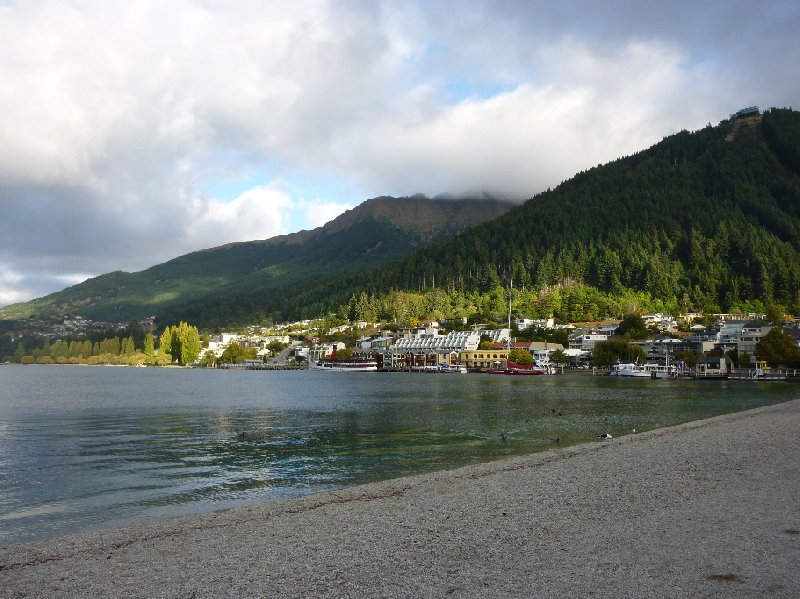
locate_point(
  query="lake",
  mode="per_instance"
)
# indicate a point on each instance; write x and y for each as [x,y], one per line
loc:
[83,448]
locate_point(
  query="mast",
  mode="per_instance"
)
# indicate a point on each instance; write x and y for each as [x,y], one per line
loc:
[510,288]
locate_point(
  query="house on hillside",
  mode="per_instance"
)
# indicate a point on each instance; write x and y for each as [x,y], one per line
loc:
[586,341]
[607,327]
[535,323]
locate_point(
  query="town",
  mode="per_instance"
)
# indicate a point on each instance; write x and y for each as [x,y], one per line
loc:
[704,346]
[694,344]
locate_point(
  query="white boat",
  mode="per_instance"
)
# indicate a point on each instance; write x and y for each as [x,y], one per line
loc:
[662,371]
[345,365]
[631,370]
[453,368]
[649,370]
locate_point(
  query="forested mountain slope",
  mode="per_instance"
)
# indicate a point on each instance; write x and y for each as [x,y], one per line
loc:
[708,215]
[377,231]
[704,220]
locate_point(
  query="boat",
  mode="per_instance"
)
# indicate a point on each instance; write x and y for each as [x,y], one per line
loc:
[630,370]
[345,365]
[649,370]
[453,368]
[512,368]
[354,364]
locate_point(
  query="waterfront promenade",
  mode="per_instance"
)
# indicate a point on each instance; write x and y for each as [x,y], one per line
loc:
[705,509]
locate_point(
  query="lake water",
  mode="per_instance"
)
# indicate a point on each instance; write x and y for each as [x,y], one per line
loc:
[83,448]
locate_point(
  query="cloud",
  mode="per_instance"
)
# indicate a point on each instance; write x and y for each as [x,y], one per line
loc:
[120,119]
[258,213]
[317,212]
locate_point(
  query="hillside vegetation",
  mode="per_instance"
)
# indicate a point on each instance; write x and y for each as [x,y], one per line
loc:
[708,220]
[377,231]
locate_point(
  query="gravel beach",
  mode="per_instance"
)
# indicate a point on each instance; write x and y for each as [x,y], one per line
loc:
[706,509]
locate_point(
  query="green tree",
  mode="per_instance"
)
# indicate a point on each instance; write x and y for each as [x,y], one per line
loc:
[165,342]
[128,347]
[633,327]
[778,349]
[607,353]
[189,339]
[520,356]
[182,342]
[235,354]
[149,347]
[559,358]
[19,352]
[775,314]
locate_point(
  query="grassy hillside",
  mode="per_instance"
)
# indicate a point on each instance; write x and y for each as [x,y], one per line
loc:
[375,232]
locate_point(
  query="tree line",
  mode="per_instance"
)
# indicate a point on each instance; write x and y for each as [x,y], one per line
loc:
[177,344]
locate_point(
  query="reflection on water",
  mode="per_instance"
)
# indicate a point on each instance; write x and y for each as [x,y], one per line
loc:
[83,448]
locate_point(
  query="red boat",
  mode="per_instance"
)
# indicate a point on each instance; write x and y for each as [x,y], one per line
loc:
[518,369]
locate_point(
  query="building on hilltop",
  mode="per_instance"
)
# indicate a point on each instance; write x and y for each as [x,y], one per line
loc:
[744,113]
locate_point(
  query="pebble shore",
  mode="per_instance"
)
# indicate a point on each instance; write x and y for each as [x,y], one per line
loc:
[705,509]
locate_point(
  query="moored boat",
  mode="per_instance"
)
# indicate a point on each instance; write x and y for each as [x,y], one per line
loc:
[513,368]
[630,370]
[453,368]
[345,365]
[649,370]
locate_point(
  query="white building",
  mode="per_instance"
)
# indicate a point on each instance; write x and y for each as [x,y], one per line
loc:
[441,348]
[542,323]
[587,341]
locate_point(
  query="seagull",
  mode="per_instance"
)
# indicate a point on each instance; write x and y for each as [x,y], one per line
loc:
[606,436]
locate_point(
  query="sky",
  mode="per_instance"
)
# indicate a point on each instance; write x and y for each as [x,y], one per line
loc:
[132,132]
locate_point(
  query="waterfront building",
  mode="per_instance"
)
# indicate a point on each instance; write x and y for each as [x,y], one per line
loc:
[483,358]
[431,349]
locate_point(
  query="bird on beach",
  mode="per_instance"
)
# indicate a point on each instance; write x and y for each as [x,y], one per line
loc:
[605,436]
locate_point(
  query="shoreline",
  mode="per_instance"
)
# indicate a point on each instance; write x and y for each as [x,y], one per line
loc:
[708,507]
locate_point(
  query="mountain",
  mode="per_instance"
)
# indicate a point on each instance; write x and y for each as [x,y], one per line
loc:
[708,220]
[375,232]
